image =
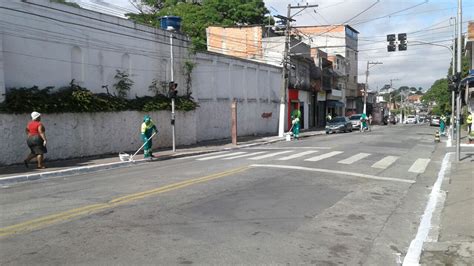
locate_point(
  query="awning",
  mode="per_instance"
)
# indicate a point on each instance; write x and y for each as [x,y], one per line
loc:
[334,103]
[469,80]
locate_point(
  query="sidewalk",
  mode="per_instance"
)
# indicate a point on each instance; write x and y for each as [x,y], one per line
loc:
[455,242]
[61,168]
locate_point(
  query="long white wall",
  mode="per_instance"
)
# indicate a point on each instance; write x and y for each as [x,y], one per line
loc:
[48,44]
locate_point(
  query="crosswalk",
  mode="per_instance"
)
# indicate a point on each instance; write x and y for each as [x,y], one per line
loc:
[418,166]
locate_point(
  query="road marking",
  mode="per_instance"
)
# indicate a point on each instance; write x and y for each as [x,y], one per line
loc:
[324,156]
[354,158]
[385,162]
[201,155]
[244,155]
[268,155]
[220,156]
[44,221]
[416,245]
[344,173]
[301,154]
[419,166]
[293,148]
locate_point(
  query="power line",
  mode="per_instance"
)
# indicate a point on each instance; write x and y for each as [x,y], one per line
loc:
[388,15]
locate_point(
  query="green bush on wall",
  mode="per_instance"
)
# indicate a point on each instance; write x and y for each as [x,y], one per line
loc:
[75,99]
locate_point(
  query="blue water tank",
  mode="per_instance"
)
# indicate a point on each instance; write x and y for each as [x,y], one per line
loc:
[172,21]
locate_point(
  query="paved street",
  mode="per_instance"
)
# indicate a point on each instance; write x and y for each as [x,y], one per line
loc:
[352,198]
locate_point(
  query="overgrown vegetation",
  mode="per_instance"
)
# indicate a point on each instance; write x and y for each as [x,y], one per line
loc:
[76,99]
[188,70]
[124,83]
[197,17]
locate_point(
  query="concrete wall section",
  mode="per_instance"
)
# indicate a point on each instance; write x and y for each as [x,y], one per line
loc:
[76,135]
[218,80]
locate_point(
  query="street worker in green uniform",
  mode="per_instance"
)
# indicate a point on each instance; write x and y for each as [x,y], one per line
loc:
[442,125]
[363,122]
[148,128]
[295,120]
[469,123]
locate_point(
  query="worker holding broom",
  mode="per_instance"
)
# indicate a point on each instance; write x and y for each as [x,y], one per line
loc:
[295,120]
[148,128]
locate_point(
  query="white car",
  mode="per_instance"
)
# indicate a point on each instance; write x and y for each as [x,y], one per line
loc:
[355,120]
[411,119]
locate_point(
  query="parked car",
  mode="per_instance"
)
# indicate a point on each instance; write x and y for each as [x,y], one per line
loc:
[411,119]
[422,118]
[434,121]
[355,120]
[339,124]
[392,119]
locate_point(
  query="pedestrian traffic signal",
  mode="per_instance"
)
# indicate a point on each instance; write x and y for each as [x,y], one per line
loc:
[402,39]
[173,92]
[391,47]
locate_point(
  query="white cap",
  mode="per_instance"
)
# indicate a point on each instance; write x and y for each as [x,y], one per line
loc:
[35,115]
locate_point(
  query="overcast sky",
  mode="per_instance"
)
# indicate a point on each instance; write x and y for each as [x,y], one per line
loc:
[425,21]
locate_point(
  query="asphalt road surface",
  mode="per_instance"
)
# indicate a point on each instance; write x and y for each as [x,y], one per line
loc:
[351,198]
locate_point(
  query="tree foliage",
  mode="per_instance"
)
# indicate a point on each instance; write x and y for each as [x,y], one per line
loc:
[440,94]
[197,17]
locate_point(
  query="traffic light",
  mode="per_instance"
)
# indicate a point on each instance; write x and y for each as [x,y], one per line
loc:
[402,39]
[173,92]
[391,47]
[453,82]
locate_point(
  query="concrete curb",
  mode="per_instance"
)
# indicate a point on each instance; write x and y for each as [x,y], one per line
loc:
[107,166]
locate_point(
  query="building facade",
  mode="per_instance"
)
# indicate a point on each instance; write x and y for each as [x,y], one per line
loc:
[339,40]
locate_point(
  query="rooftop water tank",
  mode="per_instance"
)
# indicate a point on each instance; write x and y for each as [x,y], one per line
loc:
[170,21]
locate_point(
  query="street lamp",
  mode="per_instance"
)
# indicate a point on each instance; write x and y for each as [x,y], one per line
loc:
[171,29]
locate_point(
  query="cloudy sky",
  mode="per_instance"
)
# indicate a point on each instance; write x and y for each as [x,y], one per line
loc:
[426,21]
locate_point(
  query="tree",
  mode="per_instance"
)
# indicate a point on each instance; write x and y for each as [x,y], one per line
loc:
[439,94]
[197,17]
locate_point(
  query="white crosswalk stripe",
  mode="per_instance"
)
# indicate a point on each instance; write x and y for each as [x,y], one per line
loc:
[294,156]
[243,155]
[385,162]
[323,156]
[220,156]
[419,166]
[269,155]
[354,158]
[201,155]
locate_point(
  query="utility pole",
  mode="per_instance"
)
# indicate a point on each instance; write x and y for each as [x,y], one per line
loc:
[453,93]
[390,96]
[459,70]
[367,83]
[286,63]
[173,133]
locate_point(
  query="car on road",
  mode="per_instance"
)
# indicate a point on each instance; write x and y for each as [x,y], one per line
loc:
[422,118]
[434,121]
[339,124]
[411,119]
[355,120]
[392,119]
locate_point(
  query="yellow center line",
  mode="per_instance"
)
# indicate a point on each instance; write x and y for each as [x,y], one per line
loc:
[94,208]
